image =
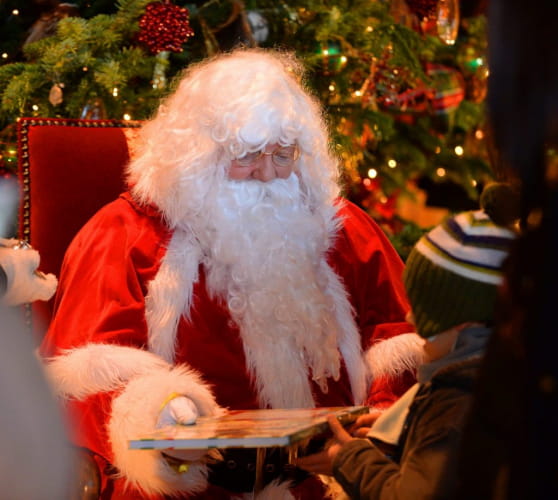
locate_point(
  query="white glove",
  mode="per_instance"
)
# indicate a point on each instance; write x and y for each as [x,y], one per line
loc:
[180,410]
[25,284]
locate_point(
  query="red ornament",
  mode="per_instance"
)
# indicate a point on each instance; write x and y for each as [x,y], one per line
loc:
[449,88]
[164,26]
[397,91]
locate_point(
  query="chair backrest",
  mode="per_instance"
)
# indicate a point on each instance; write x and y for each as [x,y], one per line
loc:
[68,169]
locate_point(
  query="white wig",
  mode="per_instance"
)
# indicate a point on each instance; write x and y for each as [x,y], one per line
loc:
[222,108]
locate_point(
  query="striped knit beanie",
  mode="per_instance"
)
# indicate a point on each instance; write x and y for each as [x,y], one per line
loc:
[453,272]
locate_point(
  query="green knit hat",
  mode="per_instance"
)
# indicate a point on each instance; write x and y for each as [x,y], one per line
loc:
[453,272]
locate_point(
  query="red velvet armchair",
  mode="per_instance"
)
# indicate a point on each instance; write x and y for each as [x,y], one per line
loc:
[68,169]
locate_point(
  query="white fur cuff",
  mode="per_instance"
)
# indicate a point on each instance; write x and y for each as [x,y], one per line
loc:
[391,357]
[93,368]
[135,413]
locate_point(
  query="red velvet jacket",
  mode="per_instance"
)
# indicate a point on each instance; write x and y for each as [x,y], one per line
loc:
[100,300]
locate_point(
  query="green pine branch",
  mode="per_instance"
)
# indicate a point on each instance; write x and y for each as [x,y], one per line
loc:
[99,57]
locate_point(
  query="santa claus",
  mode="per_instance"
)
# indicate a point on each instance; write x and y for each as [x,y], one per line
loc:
[230,276]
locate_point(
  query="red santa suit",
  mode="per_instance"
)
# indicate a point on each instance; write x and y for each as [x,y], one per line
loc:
[116,369]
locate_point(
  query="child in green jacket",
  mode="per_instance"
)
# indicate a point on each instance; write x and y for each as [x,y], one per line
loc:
[452,279]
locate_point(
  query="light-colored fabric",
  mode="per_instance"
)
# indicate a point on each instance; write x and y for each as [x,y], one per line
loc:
[387,428]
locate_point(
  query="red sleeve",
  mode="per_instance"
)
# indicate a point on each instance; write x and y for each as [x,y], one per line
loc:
[110,262]
[100,299]
[372,273]
[386,390]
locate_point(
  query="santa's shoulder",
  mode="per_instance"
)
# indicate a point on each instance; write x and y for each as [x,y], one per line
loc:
[121,223]
[354,219]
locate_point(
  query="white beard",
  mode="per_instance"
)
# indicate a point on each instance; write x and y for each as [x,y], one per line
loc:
[264,253]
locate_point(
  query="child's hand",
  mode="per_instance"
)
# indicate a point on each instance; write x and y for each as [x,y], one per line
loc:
[321,463]
[362,424]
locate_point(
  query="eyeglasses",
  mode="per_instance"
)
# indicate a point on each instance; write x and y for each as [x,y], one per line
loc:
[282,156]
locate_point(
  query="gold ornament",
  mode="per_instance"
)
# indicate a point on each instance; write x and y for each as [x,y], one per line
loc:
[55,96]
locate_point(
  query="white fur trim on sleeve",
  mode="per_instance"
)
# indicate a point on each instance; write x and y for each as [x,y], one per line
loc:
[135,412]
[393,356]
[93,368]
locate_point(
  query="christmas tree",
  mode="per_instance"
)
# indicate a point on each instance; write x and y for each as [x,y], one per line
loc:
[403,82]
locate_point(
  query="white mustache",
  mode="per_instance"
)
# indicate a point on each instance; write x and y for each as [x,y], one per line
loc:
[252,192]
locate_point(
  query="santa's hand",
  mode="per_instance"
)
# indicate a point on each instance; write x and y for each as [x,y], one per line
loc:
[180,410]
[24,283]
